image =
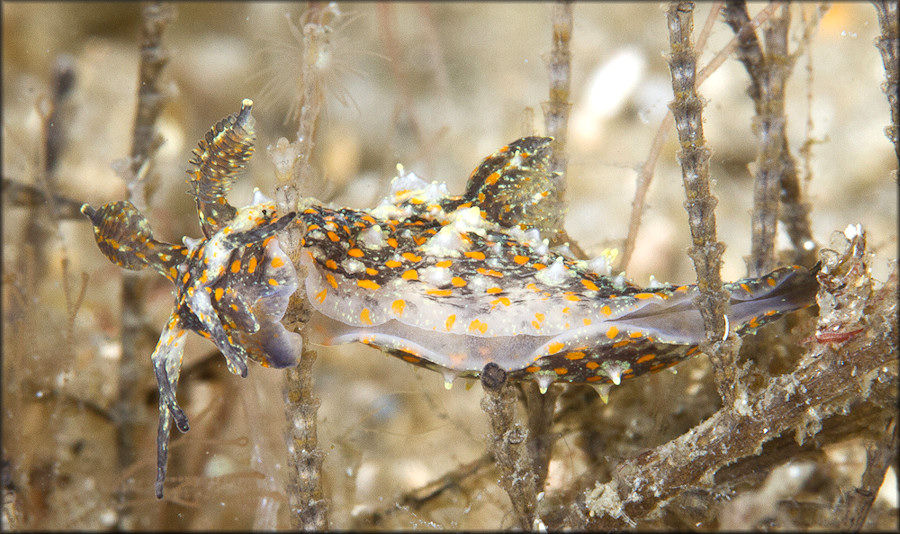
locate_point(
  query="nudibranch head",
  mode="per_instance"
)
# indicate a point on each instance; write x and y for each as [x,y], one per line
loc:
[232,286]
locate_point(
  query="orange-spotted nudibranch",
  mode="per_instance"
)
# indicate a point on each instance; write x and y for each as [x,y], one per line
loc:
[450,283]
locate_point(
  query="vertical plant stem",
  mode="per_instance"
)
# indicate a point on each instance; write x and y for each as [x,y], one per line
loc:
[509,445]
[144,140]
[777,193]
[306,497]
[706,250]
[889,46]
[556,109]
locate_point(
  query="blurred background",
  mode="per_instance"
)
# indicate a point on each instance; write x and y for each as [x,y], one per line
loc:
[435,87]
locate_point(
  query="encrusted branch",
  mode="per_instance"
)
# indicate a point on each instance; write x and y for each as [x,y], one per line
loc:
[295,172]
[509,445]
[822,385]
[706,250]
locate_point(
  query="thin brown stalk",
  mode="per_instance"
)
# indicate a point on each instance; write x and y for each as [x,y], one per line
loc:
[777,193]
[889,46]
[128,408]
[645,174]
[308,506]
[556,117]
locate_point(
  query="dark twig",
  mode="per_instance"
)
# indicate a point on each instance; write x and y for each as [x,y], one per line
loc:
[879,456]
[509,445]
[889,46]
[706,250]
[24,195]
[155,17]
[417,498]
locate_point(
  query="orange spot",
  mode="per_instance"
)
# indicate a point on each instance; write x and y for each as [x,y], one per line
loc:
[368,284]
[364,316]
[592,365]
[746,288]
[489,272]
[475,255]
[273,282]
[477,326]
[393,264]
[561,370]
[493,290]
[355,252]
[398,306]
[501,300]
[185,278]
[333,236]
[621,343]
[538,266]
[771,281]
[492,178]
[443,263]
[331,264]
[594,378]
[573,298]
[532,368]
[320,296]
[586,321]
[457,281]
[219,293]
[392,242]
[420,240]
[251,265]
[276,262]
[439,292]
[411,359]
[590,285]
[691,351]
[554,347]
[532,286]
[521,260]
[575,355]
[605,310]
[411,257]
[450,320]
[331,280]
[410,274]
[643,296]
[540,317]
[646,358]
[371,272]
[173,272]
[612,332]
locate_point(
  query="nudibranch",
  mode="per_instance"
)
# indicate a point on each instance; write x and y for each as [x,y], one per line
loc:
[450,283]
[453,283]
[231,286]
